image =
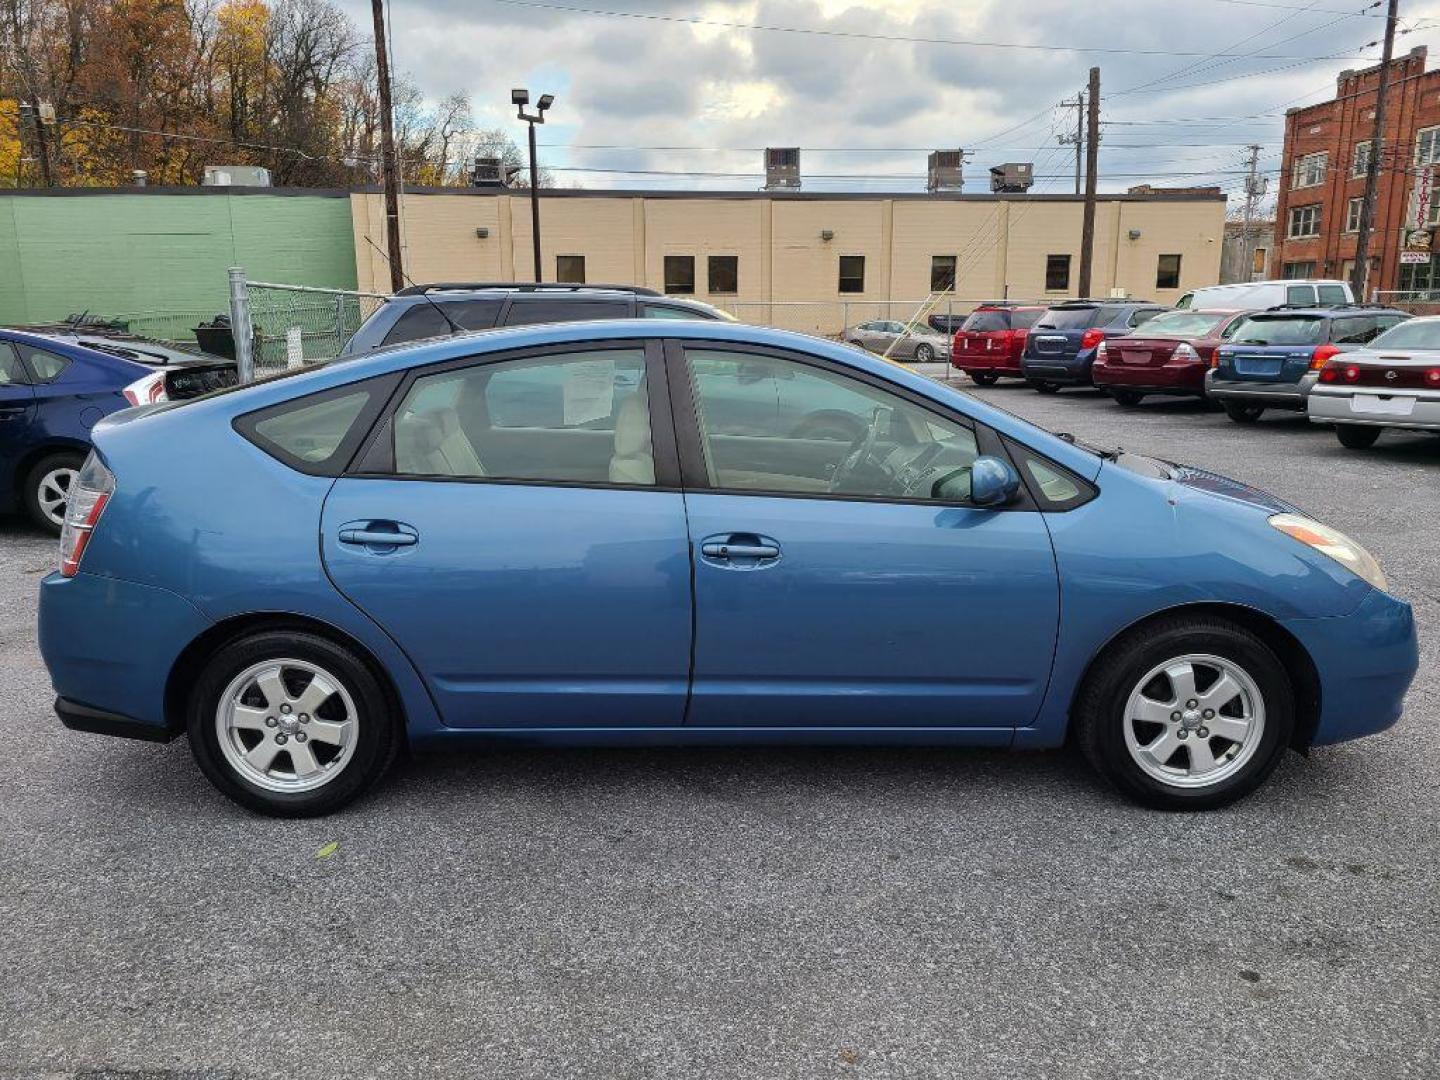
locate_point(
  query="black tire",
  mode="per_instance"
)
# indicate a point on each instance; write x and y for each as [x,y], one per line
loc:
[36,476]
[1357,436]
[1100,708]
[378,729]
[1242,413]
[983,378]
[1128,398]
[1046,387]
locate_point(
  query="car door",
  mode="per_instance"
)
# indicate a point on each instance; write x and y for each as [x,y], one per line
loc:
[17,409]
[832,587]
[517,528]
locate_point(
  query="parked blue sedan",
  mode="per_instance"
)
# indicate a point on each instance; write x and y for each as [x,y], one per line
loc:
[54,389]
[389,549]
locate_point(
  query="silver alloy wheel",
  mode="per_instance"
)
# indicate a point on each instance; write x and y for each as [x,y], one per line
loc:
[924,354]
[286,725]
[1194,721]
[53,493]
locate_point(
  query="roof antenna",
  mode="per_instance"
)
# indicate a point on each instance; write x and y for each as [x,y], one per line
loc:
[454,326]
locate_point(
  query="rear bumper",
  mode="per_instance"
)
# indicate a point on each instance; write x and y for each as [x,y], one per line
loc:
[1328,406]
[1275,395]
[1366,662]
[1173,379]
[994,363]
[1073,372]
[110,646]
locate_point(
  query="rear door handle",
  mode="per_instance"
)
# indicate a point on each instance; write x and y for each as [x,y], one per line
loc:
[739,551]
[379,535]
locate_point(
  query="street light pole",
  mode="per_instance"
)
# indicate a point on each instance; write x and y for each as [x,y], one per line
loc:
[520,98]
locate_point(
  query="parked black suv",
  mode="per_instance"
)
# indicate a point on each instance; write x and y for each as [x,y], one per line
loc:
[412,313]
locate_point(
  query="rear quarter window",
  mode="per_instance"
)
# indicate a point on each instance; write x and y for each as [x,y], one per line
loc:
[44,366]
[318,433]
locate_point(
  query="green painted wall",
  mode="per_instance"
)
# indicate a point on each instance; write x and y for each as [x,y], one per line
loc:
[152,252]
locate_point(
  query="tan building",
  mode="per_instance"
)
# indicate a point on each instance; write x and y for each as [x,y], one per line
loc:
[807,261]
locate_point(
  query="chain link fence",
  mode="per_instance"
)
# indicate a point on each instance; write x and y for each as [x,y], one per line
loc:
[297,324]
[831,318]
[1416,302]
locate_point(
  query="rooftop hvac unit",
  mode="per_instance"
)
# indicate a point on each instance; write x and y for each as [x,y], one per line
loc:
[236,176]
[946,171]
[782,168]
[492,172]
[1012,177]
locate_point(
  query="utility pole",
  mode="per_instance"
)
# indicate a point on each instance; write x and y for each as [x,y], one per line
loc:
[1254,188]
[387,152]
[42,149]
[1078,139]
[1360,272]
[1092,166]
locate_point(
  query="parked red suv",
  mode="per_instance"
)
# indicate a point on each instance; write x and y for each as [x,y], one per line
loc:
[1169,355]
[989,342]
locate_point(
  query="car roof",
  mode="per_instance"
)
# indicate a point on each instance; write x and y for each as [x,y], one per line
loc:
[1325,312]
[66,346]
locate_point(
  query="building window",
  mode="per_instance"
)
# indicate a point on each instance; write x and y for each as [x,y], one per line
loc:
[1299,270]
[1167,272]
[1427,146]
[724,275]
[1360,164]
[680,274]
[1057,273]
[570,269]
[1353,209]
[852,273]
[942,273]
[1420,277]
[1309,170]
[1259,259]
[1305,221]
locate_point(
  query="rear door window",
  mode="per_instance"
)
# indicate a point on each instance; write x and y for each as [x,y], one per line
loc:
[1300,294]
[12,372]
[426,321]
[1354,330]
[1332,294]
[527,312]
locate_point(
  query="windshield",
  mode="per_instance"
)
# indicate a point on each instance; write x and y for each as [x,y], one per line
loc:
[1416,334]
[1281,330]
[1071,318]
[1184,324]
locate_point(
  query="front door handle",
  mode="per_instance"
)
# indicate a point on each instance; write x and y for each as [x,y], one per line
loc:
[721,550]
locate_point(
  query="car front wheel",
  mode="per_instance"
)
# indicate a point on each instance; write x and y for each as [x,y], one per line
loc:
[291,724]
[47,489]
[1356,436]
[1190,715]
[924,354]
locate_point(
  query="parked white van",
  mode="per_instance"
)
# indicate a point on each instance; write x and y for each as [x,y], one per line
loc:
[1258,295]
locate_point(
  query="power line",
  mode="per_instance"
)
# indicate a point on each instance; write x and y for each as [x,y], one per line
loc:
[696,20]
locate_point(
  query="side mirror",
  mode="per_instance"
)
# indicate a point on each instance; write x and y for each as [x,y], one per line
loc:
[993,482]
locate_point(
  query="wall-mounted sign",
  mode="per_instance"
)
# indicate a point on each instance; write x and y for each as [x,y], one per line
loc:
[1422,197]
[1411,258]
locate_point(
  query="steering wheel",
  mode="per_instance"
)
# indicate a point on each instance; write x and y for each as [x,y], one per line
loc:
[861,450]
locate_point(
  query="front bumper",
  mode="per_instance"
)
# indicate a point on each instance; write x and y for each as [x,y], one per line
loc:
[1274,395]
[1417,410]
[110,646]
[1366,661]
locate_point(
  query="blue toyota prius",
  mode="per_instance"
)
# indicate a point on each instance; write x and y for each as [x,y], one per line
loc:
[640,532]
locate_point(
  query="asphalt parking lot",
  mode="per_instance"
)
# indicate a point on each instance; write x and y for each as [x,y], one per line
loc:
[746,913]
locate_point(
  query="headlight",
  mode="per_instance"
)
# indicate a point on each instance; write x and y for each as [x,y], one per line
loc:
[1335,544]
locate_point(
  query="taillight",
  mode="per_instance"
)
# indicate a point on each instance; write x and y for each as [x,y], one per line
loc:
[89,493]
[1321,355]
[1433,376]
[1091,338]
[147,390]
[1101,352]
[1185,352]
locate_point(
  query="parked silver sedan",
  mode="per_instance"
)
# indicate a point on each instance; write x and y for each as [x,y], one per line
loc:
[1393,382]
[921,344]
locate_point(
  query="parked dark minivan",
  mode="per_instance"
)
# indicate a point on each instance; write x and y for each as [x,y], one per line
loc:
[1061,347]
[421,311]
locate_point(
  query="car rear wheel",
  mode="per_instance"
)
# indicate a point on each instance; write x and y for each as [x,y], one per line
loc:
[1191,714]
[924,354]
[1046,387]
[1357,436]
[1127,397]
[1242,413]
[47,489]
[291,724]
[983,378]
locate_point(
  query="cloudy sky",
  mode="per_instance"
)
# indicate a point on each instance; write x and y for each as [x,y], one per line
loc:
[682,93]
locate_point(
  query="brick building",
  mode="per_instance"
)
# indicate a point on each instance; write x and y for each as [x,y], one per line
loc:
[1322,178]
